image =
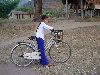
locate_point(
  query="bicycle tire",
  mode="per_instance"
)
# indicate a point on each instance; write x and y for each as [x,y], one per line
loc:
[17,54]
[60,52]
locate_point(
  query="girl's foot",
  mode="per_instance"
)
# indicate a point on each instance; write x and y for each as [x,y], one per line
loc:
[49,65]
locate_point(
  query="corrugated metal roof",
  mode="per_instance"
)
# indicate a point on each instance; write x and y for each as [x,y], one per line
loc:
[19,12]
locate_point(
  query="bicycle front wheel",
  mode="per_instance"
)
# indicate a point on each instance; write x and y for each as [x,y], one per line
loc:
[18,52]
[60,52]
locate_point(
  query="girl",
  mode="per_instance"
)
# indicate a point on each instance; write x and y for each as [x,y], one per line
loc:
[40,39]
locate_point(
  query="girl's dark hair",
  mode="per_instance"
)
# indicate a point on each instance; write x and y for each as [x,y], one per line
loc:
[44,17]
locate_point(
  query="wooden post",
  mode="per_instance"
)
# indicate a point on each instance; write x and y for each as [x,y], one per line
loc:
[35,5]
[77,10]
[82,9]
[67,9]
[90,13]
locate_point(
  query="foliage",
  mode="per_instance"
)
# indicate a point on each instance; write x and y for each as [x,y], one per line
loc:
[7,6]
[25,9]
[54,14]
[60,14]
[50,13]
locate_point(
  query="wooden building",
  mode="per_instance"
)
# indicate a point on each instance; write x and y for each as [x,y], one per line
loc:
[95,2]
[21,15]
[90,5]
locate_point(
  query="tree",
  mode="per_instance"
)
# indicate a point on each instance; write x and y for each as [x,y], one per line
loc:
[38,12]
[7,6]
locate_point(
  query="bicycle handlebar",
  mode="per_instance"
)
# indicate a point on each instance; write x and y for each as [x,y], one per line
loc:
[54,32]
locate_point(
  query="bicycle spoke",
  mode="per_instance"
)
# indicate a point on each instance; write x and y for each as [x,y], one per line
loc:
[18,52]
[60,52]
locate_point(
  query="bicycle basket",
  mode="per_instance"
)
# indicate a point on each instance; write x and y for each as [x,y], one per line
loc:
[58,35]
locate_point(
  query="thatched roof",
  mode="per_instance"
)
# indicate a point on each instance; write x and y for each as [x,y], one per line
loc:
[93,1]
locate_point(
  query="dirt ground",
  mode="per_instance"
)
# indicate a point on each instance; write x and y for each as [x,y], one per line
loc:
[17,31]
[83,37]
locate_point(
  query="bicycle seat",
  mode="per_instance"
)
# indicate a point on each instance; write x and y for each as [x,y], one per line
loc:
[32,37]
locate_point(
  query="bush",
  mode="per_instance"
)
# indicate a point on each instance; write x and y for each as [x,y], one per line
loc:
[25,9]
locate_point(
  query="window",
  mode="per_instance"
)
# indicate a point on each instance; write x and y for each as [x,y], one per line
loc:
[23,16]
[19,16]
[30,16]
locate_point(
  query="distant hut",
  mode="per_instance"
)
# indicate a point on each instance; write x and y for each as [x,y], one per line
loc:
[96,4]
[20,15]
[85,5]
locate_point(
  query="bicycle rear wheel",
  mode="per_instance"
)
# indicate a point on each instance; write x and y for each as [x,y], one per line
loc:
[60,52]
[18,52]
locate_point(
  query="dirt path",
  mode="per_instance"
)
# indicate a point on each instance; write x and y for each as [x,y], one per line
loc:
[63,25]
[11,69]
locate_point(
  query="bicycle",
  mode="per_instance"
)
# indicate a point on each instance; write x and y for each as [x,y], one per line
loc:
[24,53]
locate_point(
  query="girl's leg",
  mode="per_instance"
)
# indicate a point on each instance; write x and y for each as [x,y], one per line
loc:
[43,60]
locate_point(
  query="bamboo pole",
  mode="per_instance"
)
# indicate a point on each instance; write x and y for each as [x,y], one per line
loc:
[67,9]
[82,9]
[90,13]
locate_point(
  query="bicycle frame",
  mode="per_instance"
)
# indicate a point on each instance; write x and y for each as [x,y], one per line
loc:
[50,43]
[36,54]
[47,46]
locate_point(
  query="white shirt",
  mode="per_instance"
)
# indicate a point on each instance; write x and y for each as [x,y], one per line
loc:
[41,29]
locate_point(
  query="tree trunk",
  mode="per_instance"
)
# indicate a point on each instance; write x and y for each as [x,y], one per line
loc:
[38,10]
